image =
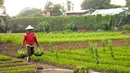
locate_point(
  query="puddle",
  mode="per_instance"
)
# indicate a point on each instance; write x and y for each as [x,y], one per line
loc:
[58,70]
[54,70]
[93,72]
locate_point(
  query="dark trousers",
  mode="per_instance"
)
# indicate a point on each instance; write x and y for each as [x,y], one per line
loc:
[30,52]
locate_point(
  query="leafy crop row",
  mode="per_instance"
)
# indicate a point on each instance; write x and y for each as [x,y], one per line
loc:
[69,37]
[106,63]
[4,58]
[7,65]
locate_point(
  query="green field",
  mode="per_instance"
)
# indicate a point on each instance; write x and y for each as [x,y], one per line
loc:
[16,38]
[107,58]
[7,65]
[88,58]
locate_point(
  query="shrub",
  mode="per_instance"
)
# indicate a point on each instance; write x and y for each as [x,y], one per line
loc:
[58,23]
[43,27]
[70,27]
[126,27]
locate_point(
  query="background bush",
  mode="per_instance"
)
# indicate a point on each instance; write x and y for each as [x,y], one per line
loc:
[59,23]
[43,27]
[126,27]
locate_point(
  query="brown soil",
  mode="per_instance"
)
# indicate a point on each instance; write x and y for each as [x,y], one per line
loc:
[82,45]
[11,49]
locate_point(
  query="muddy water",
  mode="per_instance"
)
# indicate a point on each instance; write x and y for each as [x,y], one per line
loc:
[93,72]
[59,70]
[54,70]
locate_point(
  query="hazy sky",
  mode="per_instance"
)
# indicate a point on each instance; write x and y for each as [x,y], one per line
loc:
[13,7]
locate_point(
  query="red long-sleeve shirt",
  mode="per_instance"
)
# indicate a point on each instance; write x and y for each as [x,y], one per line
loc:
[30,38]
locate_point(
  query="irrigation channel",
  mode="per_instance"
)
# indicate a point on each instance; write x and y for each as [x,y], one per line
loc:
[58,70]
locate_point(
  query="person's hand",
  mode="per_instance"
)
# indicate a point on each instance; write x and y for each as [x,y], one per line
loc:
[38,46]
[22,46]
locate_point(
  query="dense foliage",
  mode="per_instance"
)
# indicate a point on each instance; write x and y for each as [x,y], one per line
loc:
[54,9]
[95,4]
[127,3]
[59,23]
[1,2]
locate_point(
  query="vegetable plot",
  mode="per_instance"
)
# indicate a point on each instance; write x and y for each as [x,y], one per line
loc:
[7,65]
[68,37]
[112,60]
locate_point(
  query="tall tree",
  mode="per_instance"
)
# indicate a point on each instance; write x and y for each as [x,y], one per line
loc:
[54,9]
[1,2]
[70,5]
[2,7]
[115,6]
[48,6]
[30,12]
[127,3]
[3,17]
[95,4]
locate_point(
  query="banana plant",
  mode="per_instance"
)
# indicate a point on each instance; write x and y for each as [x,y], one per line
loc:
[111,49]
[51,47]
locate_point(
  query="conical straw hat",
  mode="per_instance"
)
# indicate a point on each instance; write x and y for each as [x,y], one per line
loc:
[29,27]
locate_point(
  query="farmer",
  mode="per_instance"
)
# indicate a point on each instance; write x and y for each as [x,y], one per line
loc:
[29,39]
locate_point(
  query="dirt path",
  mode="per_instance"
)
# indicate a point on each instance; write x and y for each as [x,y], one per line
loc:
[46,68]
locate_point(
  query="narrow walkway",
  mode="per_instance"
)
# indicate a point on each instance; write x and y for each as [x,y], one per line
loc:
[46,68]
